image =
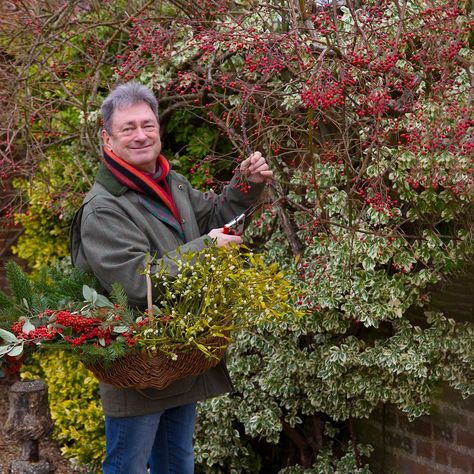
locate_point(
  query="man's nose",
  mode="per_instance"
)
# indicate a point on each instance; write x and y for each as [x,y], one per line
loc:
[140,134]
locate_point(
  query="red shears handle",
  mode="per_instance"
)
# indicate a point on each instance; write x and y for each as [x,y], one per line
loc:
[235,226]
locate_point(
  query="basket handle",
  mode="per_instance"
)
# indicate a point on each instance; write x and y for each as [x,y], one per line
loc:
[149,299]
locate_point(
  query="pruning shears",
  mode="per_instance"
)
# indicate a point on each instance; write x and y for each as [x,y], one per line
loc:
[235,226]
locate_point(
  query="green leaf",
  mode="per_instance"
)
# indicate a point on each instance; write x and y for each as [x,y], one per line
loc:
[27,327]
[87,293]
[19,283]
[16,351]
[121,329]
[8,336]
[5,349]
[103,302]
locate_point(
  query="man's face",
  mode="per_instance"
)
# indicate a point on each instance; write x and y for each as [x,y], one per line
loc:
[135,136]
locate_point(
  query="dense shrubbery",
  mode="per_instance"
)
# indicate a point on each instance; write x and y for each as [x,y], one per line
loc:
[53,196]
[365,112]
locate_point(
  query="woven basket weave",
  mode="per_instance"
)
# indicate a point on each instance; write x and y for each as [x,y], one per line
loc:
[140,370]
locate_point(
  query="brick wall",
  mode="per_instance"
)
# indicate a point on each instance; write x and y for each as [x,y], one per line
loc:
[443,442]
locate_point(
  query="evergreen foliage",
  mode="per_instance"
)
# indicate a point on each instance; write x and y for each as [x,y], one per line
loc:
[91,354]
[6,304]
[53,197]
[364,110]
[20,284]
[119,297]
[52,287]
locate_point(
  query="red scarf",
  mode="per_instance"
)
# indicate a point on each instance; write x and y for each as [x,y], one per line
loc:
[157,188]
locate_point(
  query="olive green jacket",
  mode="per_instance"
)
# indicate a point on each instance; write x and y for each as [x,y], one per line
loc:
[112,236]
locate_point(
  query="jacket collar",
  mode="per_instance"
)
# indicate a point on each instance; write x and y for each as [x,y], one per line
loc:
[107,179]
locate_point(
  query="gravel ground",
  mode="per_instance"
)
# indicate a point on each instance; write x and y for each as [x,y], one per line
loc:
[10,450]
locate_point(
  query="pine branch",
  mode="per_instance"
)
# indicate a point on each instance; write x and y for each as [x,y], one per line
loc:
[6,302]
[105,355]
[118,295]
[40,302]
[19,283]
[69,284]
[42,281]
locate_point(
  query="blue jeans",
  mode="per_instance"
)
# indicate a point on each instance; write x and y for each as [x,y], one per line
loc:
[162,441]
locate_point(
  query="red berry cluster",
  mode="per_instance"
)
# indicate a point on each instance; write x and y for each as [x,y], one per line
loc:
[147,41]
[375,103]
[242,186]
[264,63]
[265,220]
[382,203]
[76,321]
[83,329]
[41,333]
[359,58]
[324,21]
[187,82]
[385,64]
[324,92]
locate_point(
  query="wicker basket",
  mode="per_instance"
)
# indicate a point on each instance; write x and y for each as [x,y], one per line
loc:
[140,370]
[158,370]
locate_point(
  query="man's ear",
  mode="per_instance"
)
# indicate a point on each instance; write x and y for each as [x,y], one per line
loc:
[106,138]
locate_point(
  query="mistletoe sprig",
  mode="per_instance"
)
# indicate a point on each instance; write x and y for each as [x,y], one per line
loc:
[216,292]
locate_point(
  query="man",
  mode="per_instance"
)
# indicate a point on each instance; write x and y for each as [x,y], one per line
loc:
[138,207]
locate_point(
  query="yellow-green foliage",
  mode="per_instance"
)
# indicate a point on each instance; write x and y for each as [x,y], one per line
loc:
[75,407]
[45,236]
[53,196]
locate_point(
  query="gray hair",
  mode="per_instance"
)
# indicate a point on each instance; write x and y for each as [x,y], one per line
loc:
[130,93]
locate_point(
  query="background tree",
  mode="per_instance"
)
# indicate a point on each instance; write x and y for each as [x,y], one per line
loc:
[365,111]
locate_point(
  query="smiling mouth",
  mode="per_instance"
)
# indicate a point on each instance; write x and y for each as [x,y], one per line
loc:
[141,147]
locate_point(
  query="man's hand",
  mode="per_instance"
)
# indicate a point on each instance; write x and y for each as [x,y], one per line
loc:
[256,169]
[223,240]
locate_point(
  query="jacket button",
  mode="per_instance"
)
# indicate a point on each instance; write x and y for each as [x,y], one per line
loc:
[183,221]
[180,186]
